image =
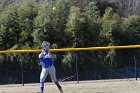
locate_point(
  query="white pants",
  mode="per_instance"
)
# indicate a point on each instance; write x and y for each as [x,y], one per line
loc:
[45,71]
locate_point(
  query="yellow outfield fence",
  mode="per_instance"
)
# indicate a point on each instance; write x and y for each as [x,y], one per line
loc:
[72,49]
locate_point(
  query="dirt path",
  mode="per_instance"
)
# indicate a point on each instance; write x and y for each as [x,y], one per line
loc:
[98,86]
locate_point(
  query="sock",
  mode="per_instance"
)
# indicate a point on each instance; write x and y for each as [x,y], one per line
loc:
[41,86]
[41,89]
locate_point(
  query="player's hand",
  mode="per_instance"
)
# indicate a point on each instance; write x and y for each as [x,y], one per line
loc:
[40,55]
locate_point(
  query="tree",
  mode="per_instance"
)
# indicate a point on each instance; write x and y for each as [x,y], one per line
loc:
[76,26]
[50,24]
[110,29]
[10,29]
[94,23]
[129,35]
[27,13]
[130,32]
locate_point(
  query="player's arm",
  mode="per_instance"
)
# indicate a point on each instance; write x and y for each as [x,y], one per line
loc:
[50,55]
[41,54]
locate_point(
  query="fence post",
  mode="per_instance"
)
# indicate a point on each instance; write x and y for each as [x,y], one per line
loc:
[22,74]
[135,65]
[77,72]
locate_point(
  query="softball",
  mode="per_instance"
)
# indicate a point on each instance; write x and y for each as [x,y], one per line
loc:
[54,8]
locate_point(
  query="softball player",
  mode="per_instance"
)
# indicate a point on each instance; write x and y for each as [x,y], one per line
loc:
[47,67]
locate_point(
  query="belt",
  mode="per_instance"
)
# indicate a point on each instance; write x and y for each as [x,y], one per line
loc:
[48,66]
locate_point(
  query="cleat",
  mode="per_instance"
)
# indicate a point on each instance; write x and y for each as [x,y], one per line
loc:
[39,92]
[60,89]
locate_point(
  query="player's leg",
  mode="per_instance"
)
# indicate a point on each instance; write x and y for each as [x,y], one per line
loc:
[43,76]
[52,73]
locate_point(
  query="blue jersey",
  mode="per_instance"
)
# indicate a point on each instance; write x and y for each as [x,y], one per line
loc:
[46,59]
